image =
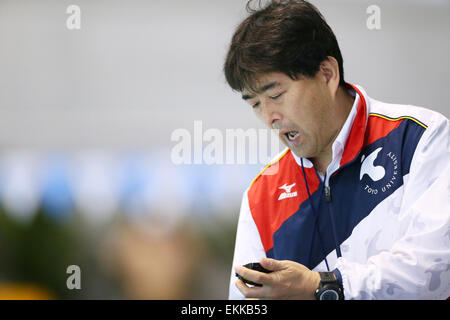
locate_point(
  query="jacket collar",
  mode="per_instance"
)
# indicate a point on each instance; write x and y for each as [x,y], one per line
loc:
[355,140]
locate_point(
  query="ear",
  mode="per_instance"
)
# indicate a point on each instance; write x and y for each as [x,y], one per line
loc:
[329,69]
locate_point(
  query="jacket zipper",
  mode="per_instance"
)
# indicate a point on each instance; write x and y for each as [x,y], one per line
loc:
[328,199]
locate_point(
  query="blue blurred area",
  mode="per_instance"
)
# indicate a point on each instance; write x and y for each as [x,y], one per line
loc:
[57,192]
[138,185]
[135,185]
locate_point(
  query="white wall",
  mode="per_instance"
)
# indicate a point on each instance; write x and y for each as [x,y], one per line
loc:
[137,70]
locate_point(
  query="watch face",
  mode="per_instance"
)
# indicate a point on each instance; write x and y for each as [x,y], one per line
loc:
[329,295]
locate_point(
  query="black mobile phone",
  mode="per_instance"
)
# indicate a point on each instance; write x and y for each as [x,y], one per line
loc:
[254,266]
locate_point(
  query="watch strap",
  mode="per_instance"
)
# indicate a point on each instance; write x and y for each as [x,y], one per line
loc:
[329,283]
[327,277]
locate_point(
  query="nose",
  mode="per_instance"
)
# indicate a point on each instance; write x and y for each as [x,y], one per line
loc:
[271,114]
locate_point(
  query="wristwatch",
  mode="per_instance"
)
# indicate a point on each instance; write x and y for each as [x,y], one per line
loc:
[329,287]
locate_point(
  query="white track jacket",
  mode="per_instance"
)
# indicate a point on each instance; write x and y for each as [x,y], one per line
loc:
[381,217]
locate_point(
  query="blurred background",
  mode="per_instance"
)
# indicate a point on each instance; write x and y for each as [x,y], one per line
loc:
[86,118]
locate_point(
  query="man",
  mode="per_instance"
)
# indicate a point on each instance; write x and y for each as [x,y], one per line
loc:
[359,204]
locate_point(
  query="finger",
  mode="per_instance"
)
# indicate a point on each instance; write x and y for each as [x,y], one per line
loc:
[272,264]
[250,292]
[252,275]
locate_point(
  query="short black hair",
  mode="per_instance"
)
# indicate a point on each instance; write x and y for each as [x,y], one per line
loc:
[289,36]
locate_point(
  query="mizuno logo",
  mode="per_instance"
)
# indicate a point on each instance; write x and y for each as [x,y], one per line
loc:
[287,193]
[375,173]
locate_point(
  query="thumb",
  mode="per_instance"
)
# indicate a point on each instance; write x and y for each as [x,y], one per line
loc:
[271,264]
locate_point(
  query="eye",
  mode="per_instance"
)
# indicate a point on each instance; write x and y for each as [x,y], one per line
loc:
[277,96]
[255,105]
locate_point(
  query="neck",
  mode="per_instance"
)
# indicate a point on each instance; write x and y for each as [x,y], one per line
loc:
[343,105]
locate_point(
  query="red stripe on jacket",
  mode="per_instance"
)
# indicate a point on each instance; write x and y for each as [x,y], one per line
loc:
[267,210]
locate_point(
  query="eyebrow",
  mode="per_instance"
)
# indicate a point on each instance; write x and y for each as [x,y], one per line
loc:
[263,89]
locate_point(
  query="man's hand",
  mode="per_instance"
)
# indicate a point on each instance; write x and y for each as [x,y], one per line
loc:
[289,280]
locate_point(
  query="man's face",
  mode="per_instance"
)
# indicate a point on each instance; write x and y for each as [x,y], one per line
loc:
[300,109]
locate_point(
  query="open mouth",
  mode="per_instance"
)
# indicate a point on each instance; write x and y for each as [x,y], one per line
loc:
[292,135]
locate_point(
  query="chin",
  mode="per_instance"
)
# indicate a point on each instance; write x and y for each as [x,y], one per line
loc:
[299,152]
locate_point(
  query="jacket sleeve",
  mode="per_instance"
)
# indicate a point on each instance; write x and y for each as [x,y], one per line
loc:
[418,264]
[248,246]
